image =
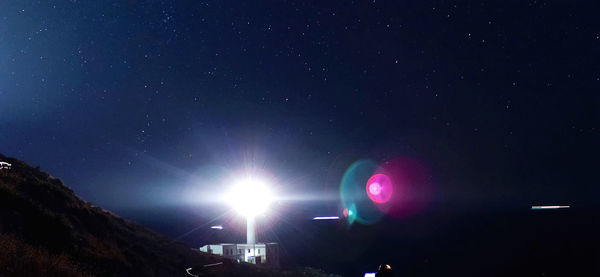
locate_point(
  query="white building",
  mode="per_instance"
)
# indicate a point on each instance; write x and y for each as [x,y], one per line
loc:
[5,165]
[259,253]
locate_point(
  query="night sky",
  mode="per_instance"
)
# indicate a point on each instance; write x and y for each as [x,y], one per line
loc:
[142,107]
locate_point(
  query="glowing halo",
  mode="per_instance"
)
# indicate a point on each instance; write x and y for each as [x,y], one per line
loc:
[250,197]
[353,197]
[379,188]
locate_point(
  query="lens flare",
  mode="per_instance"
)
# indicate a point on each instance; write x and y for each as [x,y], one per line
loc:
[412,187]
[352,214]
[379,188]
[374,188]
[352,193]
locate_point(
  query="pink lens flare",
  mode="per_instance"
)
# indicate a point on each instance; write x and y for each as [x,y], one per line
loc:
[375,188]
[380,188]
[413,187]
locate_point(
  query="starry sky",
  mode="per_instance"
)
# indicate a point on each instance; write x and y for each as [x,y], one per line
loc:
[135,104]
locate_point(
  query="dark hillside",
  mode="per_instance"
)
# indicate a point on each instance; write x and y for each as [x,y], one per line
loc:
[46,230]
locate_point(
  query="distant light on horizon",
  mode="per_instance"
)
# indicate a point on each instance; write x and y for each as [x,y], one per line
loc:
[326,218]
[549,207]
[218,227]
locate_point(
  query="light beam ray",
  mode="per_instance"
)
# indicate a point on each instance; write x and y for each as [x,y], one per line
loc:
[326,218]
[549,207]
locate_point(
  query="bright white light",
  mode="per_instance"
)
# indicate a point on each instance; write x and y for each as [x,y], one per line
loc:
[549,207]
[369,274]
[326,218]
[219,227]
[250,197]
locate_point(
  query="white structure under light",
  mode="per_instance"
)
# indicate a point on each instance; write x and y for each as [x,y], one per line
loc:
[258,253]
[250,198]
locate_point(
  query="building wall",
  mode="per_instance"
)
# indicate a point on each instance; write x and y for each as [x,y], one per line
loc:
[268,253]
[252,250]
[216,249]
[230,251]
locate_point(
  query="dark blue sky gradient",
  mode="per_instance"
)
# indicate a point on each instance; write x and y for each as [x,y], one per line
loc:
[131,103]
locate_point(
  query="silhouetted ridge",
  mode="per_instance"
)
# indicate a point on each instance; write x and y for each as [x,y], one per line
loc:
[46,230]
